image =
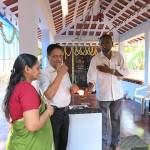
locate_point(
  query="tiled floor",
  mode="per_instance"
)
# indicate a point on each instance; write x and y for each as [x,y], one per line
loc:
[133,123]
[4,126]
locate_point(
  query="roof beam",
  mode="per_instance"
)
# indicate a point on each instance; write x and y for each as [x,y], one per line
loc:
[75,26]
[90,12]
[109,24]
[48,16]
[96,29]
[86,7]
[124,9]
[57,21]
[63,22]
[55,8]
[76,9]
[110,6]
[56,17]
[65,39]
[13,5]
[90,23]
[8,13]
[15,12]
[135,15]
[55,1]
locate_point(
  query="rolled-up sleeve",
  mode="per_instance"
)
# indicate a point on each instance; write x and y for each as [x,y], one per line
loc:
[91,75]
[69,84]
[123,68]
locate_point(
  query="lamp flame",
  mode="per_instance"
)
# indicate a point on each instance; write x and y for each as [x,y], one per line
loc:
[81,92]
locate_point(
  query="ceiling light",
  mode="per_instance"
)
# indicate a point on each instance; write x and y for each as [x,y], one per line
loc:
[64,4]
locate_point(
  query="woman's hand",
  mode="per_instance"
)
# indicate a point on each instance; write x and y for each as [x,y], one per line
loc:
[50,109]
[34,121]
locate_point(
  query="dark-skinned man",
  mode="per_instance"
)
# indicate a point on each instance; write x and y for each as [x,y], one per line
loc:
[104,74]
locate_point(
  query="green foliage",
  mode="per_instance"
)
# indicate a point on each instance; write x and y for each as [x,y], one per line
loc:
[135,57]
[40,56]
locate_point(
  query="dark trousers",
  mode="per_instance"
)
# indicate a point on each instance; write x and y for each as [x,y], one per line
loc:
[111,112]
[60,125]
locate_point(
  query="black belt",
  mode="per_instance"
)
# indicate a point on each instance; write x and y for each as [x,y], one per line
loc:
[61,108]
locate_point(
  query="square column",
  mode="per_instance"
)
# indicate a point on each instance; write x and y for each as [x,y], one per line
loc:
[147,57]
[28,38]
[45,43]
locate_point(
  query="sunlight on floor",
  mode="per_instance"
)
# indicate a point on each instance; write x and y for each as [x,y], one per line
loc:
[4,127]
[2,145]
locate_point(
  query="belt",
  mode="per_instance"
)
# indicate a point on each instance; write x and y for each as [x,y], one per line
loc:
[61,108]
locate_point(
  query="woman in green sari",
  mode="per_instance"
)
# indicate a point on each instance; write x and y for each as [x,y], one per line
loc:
[30,124]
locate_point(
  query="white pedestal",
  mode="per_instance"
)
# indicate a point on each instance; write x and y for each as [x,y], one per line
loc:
[85,132]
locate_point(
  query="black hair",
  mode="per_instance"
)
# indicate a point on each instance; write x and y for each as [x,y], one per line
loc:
[51,47]
[17,76]
[106,35]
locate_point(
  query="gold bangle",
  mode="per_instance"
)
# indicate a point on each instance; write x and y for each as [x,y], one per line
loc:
[49,112]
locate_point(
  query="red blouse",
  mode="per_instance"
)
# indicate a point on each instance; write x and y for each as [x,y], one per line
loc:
[23,98]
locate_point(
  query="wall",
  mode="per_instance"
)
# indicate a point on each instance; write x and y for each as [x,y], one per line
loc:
[142,28]
[129,89]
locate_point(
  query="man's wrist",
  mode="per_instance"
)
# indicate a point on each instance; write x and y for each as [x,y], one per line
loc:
[90,85]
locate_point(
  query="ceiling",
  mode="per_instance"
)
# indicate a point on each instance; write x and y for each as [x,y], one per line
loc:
[81,26]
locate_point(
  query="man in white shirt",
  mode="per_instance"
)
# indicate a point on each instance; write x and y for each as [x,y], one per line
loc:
[55,85]
[104,74]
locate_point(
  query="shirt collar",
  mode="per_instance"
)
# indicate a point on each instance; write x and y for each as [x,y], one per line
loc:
[51,69]
[112,54]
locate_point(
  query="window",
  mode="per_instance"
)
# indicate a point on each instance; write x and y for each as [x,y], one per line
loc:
[134,53]
[8,48]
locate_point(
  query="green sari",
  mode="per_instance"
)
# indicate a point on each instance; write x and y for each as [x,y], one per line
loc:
[20,138]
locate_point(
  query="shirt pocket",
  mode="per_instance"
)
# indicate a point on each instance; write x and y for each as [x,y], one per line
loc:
[117,67]
[114,64]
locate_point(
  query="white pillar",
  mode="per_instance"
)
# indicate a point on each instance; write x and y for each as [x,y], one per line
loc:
[28,38]
[147,57]
[51,39]
[45,43]
[121,47]
[119,43]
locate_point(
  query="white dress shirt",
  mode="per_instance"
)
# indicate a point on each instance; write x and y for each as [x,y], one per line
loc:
[62,97]
[108,86]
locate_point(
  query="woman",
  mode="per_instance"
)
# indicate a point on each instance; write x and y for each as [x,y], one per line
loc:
[31,128]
